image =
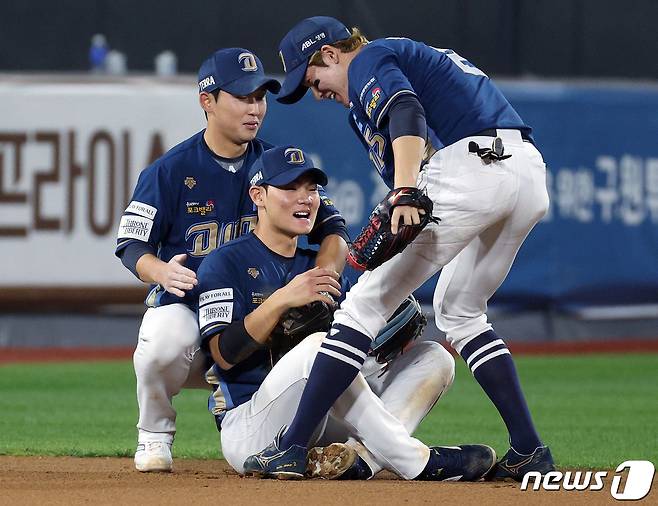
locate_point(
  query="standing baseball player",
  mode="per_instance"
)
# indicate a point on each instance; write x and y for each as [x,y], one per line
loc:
[430,120]
[188,202]
[246,288]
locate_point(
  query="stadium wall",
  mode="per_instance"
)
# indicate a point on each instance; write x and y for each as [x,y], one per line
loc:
[71,150]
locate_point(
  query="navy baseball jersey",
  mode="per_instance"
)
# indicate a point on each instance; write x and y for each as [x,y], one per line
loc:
[190,201]
[233,281]
[458,98]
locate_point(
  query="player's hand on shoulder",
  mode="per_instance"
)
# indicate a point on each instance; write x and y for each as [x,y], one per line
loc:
[175,277]
[315,284]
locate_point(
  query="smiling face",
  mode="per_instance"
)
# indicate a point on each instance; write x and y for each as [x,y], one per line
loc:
[330,82]
[289,210]
[235,119]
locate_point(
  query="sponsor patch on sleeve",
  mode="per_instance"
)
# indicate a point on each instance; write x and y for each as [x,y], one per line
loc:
[371,96]
[216,295]
[326,200]
[218,312]
[141,209]
[135,227]
[372,100]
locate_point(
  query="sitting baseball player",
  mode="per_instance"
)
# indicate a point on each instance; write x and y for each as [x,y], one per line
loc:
[248,288]
[185,204]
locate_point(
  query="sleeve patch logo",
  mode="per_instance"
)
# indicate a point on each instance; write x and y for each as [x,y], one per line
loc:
[326,200]
[376,94]
[135,227]
[141,209]
[216,295]
[220,312]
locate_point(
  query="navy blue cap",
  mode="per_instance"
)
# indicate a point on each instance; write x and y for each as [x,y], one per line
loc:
[281,166]
[235,70]
[298,46]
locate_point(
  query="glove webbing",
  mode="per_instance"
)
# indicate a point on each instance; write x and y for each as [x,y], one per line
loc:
[368,242]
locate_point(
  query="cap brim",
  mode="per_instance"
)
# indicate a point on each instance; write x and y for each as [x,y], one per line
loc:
[292,90]
[249,84]
[289,176]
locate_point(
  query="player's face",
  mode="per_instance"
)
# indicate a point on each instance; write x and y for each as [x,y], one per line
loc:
[238,118]
[292,208]
[328,83]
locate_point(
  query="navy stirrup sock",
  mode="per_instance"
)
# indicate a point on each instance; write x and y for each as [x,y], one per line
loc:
[337,363]
[492,365]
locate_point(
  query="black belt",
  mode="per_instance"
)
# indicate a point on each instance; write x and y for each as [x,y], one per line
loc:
[492,132]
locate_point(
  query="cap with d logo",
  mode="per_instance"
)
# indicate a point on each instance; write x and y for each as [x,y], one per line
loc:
[281,166]
[235,70]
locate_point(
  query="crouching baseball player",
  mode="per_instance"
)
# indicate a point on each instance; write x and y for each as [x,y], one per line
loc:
[247,291]
[185,204]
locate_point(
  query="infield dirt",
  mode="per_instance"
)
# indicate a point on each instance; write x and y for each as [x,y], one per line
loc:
[100,481]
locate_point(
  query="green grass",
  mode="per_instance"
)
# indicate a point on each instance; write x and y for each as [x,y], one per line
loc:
[595,411]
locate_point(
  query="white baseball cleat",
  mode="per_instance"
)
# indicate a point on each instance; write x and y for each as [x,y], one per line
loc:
[153,456]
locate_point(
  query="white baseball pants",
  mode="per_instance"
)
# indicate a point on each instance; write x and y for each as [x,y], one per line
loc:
[377,412]
[486,212]
[167,358]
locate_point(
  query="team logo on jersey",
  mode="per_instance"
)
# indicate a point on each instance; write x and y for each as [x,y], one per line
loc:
[190,182]
[206,208]
[253,272]
[375,141]
[374,100]
[294,156]
[248,62]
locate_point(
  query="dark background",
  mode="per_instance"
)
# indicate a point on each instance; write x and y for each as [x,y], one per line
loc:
[543,38]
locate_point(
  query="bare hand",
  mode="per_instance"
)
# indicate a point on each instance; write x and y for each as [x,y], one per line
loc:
[175,277]
[315,284]
[409,214]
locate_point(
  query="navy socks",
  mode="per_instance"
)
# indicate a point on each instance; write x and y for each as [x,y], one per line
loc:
[339,360]
[491,363]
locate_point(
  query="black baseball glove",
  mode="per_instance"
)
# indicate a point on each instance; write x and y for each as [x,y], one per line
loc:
[406,324]
[376,243]
[298,323]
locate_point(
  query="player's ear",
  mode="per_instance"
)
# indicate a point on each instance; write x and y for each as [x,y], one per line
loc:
[330,54]
[257,194]
[206,101]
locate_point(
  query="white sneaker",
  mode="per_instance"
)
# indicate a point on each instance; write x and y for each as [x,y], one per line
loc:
[153,456]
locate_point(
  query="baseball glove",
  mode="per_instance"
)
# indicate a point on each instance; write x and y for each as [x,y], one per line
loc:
[298,323]
[376,243]
[406,324]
